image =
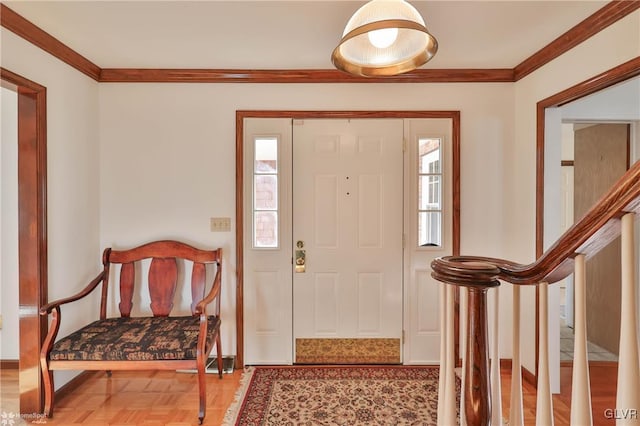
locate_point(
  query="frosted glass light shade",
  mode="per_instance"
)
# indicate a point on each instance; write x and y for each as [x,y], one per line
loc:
[384,37]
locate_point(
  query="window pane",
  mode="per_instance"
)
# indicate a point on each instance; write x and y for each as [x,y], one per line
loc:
[429,192]
[266,155]
[429,156]
[265,192]
[265,225]
[429,229]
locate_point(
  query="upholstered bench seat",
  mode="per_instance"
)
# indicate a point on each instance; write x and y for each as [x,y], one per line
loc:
[135,339]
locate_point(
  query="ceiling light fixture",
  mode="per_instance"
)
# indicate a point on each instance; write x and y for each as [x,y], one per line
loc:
[384,37]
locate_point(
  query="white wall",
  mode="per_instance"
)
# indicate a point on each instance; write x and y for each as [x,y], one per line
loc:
[167,157]
[72,175]
[614,45]
[9,226]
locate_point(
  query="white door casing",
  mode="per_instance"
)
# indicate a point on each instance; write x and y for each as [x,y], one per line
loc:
[566,221]
[348,204]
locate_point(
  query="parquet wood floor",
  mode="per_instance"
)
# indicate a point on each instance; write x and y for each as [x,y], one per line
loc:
[169,398]
[134,398]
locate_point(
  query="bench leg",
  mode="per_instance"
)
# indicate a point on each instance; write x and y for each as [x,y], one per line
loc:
[219,355]
[47,377]
[202,390]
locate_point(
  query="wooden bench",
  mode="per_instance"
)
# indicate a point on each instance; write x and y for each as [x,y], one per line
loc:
[154,342]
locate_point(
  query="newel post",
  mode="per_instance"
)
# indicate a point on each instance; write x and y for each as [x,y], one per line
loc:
[478,406]
[478,277]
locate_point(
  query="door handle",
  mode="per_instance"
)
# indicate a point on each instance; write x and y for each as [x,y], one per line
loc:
[300,257]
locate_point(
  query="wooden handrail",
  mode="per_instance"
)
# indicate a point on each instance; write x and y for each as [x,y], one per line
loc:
[594,231]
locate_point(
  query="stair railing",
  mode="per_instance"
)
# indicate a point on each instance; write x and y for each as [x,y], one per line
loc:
[614,215]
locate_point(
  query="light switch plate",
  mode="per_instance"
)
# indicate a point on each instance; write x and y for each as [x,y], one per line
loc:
[220,224]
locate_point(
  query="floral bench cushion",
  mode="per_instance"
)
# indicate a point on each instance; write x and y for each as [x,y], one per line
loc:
[134,339]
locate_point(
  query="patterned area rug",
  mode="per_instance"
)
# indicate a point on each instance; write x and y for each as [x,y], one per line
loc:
[336,395]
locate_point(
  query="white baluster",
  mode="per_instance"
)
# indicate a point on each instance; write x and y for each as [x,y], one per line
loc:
[449,410]
[580,385]
[496,387]
[443,353]
[544,405]
[515,405]
[628,393]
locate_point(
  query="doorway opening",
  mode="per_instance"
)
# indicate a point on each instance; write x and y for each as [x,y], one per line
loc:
[241,185]
[32,233]
[579,103]
[594,156]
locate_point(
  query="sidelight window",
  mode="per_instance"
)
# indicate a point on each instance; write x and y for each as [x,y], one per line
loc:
[429,192]
[265,192]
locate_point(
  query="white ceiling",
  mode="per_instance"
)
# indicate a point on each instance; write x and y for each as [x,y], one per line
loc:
[290,34]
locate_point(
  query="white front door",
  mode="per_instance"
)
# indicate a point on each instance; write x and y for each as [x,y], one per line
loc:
[338,187]
[347,226]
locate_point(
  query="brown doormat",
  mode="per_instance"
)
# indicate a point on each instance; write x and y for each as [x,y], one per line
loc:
[337,395]
[348,351]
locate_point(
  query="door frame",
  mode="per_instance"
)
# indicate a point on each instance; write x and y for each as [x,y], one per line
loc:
[242,114]
[32,233]
[618,74]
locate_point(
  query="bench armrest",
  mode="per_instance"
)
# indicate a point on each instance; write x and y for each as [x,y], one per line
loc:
[213,293]
[46,309]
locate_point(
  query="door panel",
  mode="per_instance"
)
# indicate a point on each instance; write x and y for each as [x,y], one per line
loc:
[347,211]
[267,242]
[428,192]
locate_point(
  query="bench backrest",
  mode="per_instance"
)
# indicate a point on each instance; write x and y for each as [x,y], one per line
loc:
[163,274]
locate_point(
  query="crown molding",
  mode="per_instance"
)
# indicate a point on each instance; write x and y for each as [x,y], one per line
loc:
[45,41]
[607,15]
[601,19]
[601,81]
[122,75]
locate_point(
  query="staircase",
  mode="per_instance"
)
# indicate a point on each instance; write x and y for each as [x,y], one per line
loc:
[614,215]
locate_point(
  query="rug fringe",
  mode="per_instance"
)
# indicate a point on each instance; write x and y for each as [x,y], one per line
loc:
[231,416]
